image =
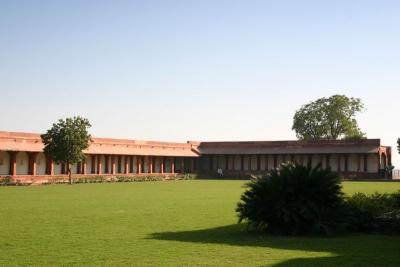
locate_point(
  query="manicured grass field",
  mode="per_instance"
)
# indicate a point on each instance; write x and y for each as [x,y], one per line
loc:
[177,223]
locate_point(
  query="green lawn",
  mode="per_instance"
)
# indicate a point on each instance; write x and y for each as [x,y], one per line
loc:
[177,223]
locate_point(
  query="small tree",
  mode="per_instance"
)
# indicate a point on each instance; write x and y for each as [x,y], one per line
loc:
[66,140]
[398,145]
[329,118]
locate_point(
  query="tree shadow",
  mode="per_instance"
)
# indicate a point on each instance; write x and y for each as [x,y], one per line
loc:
[350,250]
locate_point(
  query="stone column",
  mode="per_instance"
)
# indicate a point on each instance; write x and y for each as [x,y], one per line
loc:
[138,164]
[258,162]
[99,167]
[327,161]
[113,167]
[182,165]
[162,164]
[191,165]
[365,162]
[131,164]
[119,163]
[13,162]
[32,162]
[172,165]
[379,161]
[107,160]
[93,170]
[127,159]
[242,162]
[358,162]
[249,163]
[266,162]
[149,164]
[49,166]
[84,167]
[79,168]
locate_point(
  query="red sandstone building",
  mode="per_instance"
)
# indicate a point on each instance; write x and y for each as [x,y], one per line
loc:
[21,155]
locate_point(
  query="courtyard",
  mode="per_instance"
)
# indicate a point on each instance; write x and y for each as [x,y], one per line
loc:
[174,223]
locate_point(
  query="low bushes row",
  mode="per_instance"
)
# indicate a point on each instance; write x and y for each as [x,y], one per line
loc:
[8,180]
[377,213]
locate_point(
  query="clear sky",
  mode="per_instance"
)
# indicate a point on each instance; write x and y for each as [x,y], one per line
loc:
[197,70]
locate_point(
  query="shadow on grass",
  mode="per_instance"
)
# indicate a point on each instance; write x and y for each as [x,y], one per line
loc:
[354,250]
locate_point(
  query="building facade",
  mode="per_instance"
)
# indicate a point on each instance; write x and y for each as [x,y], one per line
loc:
[21,156]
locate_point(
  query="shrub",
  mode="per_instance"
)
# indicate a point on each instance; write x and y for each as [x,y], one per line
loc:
[378,213]
[295,200]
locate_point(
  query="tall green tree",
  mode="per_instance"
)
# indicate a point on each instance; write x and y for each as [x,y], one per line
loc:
[329,118]
[66,140]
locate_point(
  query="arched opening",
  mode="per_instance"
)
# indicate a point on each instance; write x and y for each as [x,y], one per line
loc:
[22,163]
[41,164]
[4,163]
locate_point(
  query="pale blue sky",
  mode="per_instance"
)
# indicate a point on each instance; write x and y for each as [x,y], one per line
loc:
[197,70]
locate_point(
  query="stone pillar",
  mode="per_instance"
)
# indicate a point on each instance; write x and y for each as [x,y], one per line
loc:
[162,164]
[32,163]
[172,165]
[127,159]
[131,164]
[358,162]
[113,167]
[119,163]
[99,167]
[149,164]
[79,168]
[242,162]
[107,160]
[379,162]
[153,164]
[84,167]
[138,164]
[13,162]
[266,162]
[258,162]
[327,161]
[182,165]
[93,170]
[63,171]
[49,166]
[249,163]
[191,165]
[365,162]
[346,162]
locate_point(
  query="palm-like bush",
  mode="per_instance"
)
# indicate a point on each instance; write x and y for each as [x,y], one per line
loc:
[294,200]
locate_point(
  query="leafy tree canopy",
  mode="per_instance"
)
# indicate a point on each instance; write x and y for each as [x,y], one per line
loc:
[329,118]
[66,140]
